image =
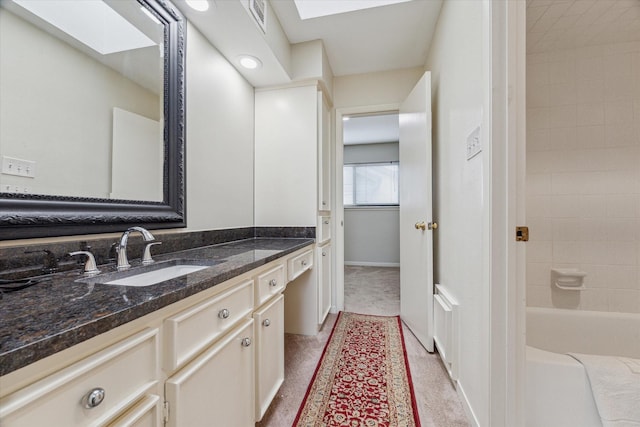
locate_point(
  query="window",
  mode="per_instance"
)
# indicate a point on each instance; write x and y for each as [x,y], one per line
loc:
[371,184]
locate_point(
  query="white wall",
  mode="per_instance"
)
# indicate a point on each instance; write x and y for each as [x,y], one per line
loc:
[371,234]
[583,175]
[219,140]
[456,64]
[385,87]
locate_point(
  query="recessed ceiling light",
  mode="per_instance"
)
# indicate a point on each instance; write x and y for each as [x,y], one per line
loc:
[249,62]
[199,5]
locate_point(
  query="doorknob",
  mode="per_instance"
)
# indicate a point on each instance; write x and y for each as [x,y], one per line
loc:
[433,226]
[421,226]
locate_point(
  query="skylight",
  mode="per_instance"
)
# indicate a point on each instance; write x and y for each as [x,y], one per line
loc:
[91,22]
[308,9]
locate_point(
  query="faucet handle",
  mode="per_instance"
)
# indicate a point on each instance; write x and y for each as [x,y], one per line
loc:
[146,257]
[90,264]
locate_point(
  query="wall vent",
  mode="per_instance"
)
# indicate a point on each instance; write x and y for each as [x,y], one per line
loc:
[258,9]
[445,319]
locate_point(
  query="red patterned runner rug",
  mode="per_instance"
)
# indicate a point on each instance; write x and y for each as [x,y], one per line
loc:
[362,379]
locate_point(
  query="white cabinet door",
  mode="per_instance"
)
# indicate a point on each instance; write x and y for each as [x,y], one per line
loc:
[324,282]
[269,325]
[286,156]
[217,388]
[324,155]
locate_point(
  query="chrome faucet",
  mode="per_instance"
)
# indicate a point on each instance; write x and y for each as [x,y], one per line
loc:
[121,247]
[90,267]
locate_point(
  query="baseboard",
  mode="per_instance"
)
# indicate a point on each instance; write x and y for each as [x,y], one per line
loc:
[371,264]
[467,407]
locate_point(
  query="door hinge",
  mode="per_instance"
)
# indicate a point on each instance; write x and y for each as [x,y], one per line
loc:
[165,411]
[522,234]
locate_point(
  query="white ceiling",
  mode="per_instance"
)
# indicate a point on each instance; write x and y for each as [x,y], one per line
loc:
[383,38]
[567,24]
[371,129]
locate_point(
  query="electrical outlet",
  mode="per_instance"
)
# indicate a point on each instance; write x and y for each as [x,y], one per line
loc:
[474,144]
[18,167]
[14,189]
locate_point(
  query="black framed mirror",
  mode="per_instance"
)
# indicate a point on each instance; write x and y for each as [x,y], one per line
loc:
[43,208]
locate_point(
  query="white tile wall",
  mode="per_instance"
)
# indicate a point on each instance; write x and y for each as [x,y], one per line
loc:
[583,164]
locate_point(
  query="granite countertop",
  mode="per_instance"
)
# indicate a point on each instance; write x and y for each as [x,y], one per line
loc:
[64,309]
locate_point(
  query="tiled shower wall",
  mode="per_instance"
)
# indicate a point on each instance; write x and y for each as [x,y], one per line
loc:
[583,175]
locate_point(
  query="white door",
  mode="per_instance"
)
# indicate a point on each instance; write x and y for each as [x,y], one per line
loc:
[416,236]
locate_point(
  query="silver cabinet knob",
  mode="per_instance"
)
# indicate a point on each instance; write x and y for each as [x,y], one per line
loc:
[273,282]
[224,313]
[266,322]
[246,342]
[326,222]
[304,262]
[93,398]
[324,254]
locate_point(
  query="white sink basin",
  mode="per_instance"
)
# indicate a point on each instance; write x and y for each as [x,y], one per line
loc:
[156,276]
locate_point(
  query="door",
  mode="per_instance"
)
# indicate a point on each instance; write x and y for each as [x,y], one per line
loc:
[416,235]
[324,282]
[269,334]
[217,388]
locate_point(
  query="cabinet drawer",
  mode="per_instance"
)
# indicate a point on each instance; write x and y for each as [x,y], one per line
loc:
[125,371]
[190,331]
[300,264]
[269,283]
[324,228]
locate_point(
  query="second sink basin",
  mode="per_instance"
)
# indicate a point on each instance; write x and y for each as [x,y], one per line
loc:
[156,276]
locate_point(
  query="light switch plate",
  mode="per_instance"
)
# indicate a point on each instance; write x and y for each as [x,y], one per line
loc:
[18,167]
[474,144]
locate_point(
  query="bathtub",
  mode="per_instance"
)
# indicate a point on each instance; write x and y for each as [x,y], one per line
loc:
[558,390]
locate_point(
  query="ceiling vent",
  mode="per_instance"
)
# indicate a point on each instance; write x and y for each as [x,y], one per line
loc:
[258,9]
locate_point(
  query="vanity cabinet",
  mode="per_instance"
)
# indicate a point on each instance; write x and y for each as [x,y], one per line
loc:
[222,361]
[269,333]
[217,388]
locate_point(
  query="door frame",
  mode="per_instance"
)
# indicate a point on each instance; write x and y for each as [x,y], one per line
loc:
[338,224]
[505,166]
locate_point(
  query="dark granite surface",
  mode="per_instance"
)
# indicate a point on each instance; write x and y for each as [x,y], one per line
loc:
[27,260]
[64,309]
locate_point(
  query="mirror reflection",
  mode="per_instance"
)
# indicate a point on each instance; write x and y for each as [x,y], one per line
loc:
[82,99]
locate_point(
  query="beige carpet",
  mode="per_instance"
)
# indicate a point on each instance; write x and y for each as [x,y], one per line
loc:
[368,290]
